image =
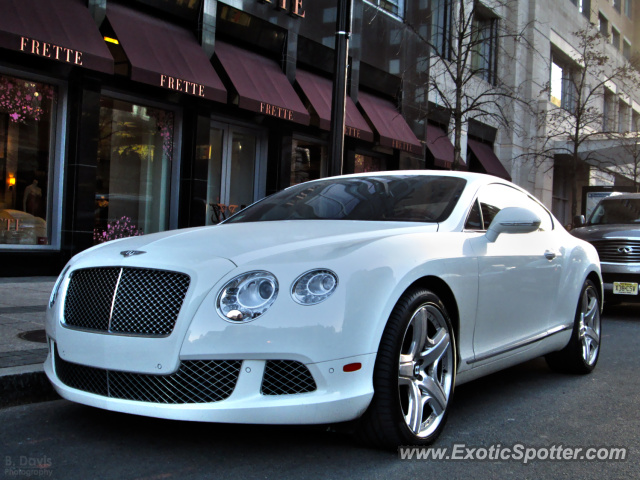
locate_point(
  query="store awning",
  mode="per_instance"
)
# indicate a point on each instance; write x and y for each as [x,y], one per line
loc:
[441,148]
[391,126]
[165,55]
[488,159]
[261,85]
[61,30]
[318,91]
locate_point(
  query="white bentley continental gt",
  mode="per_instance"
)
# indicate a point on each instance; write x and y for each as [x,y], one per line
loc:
[363,297]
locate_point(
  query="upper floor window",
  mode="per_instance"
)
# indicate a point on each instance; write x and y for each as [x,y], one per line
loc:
[584,6]
[617,4]
[603,25]
[615,38]
[564,92]
[394,7]
[626,50]
[485,46]
[628,8]
[442,26]
[623,124]
[608,112]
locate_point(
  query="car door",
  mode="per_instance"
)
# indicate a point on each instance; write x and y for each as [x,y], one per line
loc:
[518,276]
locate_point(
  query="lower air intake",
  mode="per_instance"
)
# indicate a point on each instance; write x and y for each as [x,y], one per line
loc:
[286,377]
[196,381]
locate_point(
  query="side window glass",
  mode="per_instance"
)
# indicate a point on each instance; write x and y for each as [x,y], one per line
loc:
[494,198]
[474,221]
[546,224]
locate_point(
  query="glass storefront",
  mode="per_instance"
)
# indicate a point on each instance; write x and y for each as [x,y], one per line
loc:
[27,133]
[135,151]
[308,161]
[230,160]
[365,163]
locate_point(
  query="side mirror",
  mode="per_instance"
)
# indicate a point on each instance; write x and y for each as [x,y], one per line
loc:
[513,220]
[579,221]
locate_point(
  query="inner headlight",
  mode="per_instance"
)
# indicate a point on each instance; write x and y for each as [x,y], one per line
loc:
[247,296]
[56,287]
[314,287]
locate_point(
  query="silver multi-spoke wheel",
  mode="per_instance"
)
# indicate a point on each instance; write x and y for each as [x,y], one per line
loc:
[589,326]
[425,370]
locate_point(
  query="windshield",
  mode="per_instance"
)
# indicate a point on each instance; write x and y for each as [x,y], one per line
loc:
[397,198]
[612,211]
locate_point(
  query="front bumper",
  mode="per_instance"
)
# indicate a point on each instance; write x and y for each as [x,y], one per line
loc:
[339,397]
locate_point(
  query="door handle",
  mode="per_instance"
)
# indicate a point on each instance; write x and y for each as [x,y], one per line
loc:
[550,255]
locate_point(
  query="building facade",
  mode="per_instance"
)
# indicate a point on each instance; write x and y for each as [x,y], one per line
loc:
[121,118]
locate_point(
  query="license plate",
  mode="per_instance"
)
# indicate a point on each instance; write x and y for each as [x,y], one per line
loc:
[624,288]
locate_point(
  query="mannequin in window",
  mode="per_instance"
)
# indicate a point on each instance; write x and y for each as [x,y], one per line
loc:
[32,197]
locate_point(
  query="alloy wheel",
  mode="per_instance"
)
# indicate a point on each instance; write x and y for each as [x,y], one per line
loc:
[425,370]
[589,326]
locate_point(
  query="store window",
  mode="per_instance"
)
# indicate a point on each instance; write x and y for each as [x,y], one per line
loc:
[229,164]
[308,161]
[135,152]
[365,163]
[27,126]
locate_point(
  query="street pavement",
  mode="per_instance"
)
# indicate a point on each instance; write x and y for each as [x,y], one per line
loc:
[23,303]
[526,404]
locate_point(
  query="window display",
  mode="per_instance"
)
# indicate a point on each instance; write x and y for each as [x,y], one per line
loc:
[27,118]
[134,167]
[308,161]
[365,163]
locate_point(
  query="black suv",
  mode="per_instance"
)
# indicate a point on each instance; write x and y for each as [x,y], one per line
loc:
[614,229]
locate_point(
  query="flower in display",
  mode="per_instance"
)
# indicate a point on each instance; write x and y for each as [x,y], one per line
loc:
[122,228]
[22,99]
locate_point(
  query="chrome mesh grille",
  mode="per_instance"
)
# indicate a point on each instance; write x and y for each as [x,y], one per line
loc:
[196,381]
[618,250]
[286,377]
[147,302]
[89,298]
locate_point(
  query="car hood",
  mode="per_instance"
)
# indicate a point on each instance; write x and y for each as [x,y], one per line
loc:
[602,232]
[246,242]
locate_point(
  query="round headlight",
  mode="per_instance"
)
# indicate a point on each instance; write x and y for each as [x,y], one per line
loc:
[314,287]
[247,296]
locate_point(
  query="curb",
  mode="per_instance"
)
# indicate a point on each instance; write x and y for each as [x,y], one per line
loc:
[25,384]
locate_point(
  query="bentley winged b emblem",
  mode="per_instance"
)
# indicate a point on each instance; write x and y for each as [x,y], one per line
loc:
[131,253]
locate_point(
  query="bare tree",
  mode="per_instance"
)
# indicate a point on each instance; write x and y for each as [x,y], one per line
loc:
[580,107]
[474,50]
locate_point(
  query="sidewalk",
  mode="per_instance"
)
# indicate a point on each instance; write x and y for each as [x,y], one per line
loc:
[23,304]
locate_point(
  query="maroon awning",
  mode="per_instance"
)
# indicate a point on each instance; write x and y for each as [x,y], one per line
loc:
[61,30]
[391,126]
[318,91]
[488,159]
[261,85]
[441,148]
[165,55]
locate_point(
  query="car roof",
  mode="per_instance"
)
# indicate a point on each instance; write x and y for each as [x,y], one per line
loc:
[469,176]
[623,196]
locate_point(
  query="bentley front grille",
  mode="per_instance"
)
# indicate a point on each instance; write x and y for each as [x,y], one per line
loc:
[196,381]
[286,377]
[618,250]
[125,300]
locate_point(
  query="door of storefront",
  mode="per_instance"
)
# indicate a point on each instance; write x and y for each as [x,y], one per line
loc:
[233,175]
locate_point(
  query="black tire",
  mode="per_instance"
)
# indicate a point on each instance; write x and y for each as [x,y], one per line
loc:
[571,359]
[383,425]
